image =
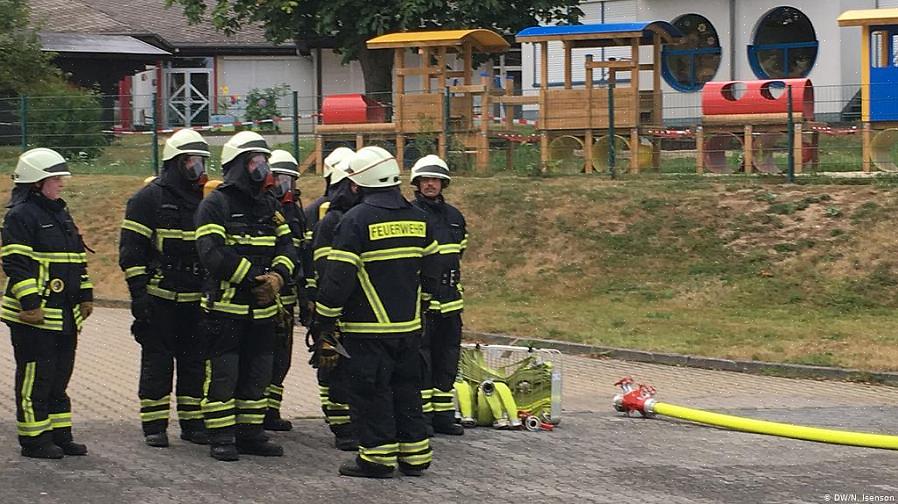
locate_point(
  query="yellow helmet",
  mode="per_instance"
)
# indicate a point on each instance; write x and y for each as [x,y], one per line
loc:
[373,167]
[185,141]
[245,141]
[38,164]
[431,166]
[334,158]
[282,161]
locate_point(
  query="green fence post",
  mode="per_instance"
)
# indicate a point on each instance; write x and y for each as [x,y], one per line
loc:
[790,131]
[296,125]
[155,136]
[23,121]
[612,155]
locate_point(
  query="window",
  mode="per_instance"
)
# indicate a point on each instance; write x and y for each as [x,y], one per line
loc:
[687,66]
[785,45]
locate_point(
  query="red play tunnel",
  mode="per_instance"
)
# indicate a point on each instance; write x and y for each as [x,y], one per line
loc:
[758,97]
[351,109]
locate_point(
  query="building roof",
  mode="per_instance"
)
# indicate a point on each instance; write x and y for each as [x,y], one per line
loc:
[868,17]
[588,35]
[483,40]
[98,44]
[146,19]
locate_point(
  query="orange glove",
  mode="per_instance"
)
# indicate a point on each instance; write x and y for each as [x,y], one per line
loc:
[87,308]
[267,288]
[35,316]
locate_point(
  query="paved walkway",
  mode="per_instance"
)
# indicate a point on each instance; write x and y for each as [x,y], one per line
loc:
[595,456]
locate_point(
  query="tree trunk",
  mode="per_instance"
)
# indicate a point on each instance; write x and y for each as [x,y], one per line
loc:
[377,68]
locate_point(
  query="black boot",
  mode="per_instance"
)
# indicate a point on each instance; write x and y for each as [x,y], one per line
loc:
[451,429]
[274,422]
[43,451]
[430,430]
[346,443]
[157,440]
[411,470]
[352,468]
[72,448]
[224,452]
[262,448]
[200,437]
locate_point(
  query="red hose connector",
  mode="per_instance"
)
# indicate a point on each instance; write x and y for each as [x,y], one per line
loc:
[634,398]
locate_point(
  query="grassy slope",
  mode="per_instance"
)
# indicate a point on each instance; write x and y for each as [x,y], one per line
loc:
[733,267]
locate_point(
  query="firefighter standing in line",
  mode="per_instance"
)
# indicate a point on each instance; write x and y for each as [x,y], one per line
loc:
[48,295]
[244,243]
[157,252]
[333,380]
[284,168]
[380,260]
[441,341]
[314,212]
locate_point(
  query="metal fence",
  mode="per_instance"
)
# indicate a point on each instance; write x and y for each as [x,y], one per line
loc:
[109,134]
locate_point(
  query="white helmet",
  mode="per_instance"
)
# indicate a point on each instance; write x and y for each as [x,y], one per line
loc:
[245,141]
[185,141]
[334,158]
[38,164]
[373,167]
[338,171]
[431,166]
[282,161]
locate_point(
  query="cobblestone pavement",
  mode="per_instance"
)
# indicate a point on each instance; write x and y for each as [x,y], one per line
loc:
[595,455]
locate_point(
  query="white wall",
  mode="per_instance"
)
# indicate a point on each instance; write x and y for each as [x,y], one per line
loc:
[337,78]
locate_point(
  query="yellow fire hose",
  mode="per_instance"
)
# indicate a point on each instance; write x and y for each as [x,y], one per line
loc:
[640,399]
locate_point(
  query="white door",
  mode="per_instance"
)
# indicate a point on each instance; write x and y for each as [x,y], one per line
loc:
[188,91]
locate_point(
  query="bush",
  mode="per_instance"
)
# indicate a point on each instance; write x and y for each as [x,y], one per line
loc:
[66,119]
[262,104]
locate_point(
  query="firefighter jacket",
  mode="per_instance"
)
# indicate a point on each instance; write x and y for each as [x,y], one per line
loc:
[44,261]
[342,200]
[157,250]
[295,288]
[450,232]
[314,213]
[241,234]
[381,259]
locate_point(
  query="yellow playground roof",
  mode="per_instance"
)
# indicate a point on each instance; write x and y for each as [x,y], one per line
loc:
[483,40]
[868,17]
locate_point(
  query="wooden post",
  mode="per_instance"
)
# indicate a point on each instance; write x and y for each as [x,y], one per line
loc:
[441,62]
[425,64]
[748,148]
[400,151]
[543,89]
[634,150]
[469,64]
[485,120]
[544,150]
[699,150]
[657,95]
[359,141]
[587,150]
[799,148]
[509,109]
[866,158]
[442,139]
[567,65]
[319,154]
[398,62]
[634,81]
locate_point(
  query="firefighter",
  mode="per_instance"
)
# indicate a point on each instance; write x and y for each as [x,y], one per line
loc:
[380,260]
[48,296]
[245,246]
[157,252]
[284,168]
[441,341]
[332,377]
[314,212]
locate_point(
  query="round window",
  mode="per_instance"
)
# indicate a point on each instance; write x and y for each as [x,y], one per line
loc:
[785,45]
[689,64]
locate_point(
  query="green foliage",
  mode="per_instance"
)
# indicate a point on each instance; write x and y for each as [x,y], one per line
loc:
[262,104]
[67,119]
[22,64]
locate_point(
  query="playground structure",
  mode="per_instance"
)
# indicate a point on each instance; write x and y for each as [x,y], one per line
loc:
[879,83]
[742,126]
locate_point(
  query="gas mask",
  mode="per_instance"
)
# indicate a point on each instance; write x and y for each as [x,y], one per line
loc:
[283,187]
[261,175]
[195,169]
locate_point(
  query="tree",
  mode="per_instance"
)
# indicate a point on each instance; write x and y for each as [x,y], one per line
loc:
[22,63]
[349,23]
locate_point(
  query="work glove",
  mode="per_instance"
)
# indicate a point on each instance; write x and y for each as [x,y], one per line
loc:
[267,288]
[306,310]
[324,356]
[87,307]
[142,307]
[35,316]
